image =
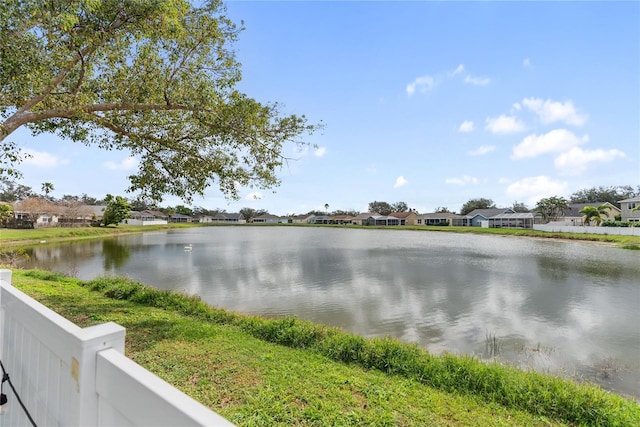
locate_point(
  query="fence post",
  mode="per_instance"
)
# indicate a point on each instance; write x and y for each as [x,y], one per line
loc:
[83,361]
[5,277]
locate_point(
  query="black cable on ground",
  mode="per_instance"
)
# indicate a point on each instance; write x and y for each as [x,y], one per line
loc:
[5,377]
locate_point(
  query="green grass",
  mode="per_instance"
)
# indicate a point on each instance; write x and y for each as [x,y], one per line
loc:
[13,238]
[257,371]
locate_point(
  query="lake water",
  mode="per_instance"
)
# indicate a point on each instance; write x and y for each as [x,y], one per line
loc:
[560,307]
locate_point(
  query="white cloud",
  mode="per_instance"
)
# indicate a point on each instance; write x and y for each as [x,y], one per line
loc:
[256,195]
[400,182]
[422,84]
[42,159]
[320,151]
[504,124]
[532,189]
[550,111]
[466,126]
[576,160]
[127,164]
[556,141]
[482,150]
[458,70]
[478,81]
[526,62]
[466,179]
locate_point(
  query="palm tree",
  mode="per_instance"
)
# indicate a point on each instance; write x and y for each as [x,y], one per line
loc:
[326,207]
[593,214]
[47,188]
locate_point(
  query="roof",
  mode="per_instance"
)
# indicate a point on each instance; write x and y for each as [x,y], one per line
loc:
[401,215]
[268,216]
[436,215]
[226,215]
[302,216]
[517,215]
[94,210]
[156,213]
[575,208]
[366,215]
[488,213]
[633,199]
[341,217]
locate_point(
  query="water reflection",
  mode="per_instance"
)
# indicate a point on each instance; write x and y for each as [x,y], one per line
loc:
[115,254]
[551,306]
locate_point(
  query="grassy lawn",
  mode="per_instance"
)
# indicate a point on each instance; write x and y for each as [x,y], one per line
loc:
[12,237]
[257,371]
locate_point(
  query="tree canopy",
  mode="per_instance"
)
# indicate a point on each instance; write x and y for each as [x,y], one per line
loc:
[552,207]
[384,208]
[155,78]
[473,204]
[603,194]
[118,209]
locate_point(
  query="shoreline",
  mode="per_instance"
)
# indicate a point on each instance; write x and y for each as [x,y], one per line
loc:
[12,238]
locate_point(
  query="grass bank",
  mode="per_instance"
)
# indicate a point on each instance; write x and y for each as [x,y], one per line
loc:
[257,371]
[30,237]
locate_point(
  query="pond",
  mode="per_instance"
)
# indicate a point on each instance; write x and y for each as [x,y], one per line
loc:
[554,306]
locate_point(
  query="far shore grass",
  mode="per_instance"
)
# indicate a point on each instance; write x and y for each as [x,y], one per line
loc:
[281,372]
[10,238]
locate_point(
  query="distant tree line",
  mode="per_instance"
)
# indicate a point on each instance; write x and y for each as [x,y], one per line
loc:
[550,207]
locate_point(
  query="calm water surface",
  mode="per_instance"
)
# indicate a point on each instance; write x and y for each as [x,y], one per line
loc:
[565,307]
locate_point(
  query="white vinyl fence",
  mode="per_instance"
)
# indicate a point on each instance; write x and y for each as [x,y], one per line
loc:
[561,227]
[71,376]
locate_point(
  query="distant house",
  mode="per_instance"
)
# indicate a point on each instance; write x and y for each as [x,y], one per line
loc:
[358,220]
[319,219]
[269,219]
[228,217]
[477,217]
[406,218]
[35,212]
[436,218]
[203,219]
[572,216]
[626,209]
[381,220]
[301,219]
[143,218]
[157,214]
[180,218]
[515,220]
[341,219]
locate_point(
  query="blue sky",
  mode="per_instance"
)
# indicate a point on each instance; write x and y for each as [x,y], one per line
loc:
[430,103]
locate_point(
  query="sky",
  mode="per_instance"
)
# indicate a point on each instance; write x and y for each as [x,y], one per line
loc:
[427,103]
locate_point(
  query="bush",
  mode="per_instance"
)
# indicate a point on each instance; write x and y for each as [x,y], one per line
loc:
[616,223]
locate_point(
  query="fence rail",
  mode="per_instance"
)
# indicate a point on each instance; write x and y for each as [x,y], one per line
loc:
[72,376]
